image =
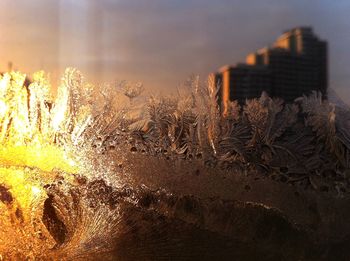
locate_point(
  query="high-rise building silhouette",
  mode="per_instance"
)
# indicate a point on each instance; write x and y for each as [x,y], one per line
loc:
[294,65]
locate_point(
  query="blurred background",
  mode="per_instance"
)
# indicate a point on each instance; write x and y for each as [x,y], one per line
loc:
[162,42]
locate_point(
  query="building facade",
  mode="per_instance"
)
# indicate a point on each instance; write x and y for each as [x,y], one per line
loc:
[294,65]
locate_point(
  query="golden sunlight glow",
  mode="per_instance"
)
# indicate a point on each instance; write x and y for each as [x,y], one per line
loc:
[3,108]
[36,190]
[46,158]
[30,155]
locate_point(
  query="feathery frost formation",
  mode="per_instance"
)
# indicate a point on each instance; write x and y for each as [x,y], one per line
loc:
[58,155]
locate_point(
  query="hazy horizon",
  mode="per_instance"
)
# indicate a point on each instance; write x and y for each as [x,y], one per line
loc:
[161,43]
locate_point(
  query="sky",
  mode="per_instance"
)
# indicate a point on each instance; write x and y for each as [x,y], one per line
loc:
[162,42]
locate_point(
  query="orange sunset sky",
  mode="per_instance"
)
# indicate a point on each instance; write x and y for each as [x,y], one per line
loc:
[161,42]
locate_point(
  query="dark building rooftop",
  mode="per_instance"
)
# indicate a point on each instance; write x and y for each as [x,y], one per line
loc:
[294,65]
